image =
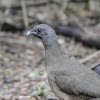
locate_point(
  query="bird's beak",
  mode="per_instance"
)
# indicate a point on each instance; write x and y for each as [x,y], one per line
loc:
[31,32]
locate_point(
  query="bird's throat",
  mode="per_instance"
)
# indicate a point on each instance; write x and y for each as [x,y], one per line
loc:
[53,56]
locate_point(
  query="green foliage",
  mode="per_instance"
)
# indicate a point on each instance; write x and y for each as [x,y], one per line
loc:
[37,73]
[42,89]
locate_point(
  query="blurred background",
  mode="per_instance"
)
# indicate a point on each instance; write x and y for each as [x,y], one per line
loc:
[22,70]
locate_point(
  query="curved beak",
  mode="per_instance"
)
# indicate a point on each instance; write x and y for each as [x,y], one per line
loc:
[31,32]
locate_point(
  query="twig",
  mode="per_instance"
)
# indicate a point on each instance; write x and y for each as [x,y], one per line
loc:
[64,6]
[76,21]
[24,13]
[30,3]
[89,57]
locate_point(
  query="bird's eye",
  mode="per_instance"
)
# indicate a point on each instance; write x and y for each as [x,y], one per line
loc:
[39,30]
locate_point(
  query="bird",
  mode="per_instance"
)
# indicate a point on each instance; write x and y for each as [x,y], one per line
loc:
[68,79]
[97,69]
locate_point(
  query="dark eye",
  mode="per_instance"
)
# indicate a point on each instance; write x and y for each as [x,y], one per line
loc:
[39,29]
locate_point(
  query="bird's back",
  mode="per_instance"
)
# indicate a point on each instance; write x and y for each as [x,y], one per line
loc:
[78,79]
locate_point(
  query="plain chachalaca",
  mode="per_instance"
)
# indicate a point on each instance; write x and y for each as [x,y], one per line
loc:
[69,79]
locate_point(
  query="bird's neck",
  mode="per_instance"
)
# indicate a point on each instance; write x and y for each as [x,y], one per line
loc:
[53,55]
[53,50]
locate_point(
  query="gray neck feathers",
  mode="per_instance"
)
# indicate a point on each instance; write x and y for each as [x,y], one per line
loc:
[53,54]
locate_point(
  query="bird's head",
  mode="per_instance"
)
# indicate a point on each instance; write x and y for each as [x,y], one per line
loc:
[44,32]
